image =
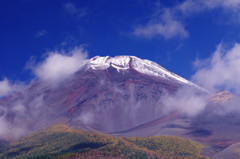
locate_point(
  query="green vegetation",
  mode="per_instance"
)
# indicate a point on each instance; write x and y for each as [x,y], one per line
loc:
[61,142]
[169,146]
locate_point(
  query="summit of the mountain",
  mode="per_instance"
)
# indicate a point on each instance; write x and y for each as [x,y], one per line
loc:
[143,66]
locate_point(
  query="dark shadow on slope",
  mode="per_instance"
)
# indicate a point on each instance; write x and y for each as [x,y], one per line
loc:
[81,146]
[20,151]
[3,145]
[200,133]
[174,126]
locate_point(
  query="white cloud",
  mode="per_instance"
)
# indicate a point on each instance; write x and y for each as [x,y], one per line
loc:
[4,127]
[166,26]
[72,9]
[230,9]
[221,71]
[186,100]
[41,33]
[170,22]
[5,87]
[58,66]
[226,4]
[19,108]
[10,131]
[86,117]
[188,7]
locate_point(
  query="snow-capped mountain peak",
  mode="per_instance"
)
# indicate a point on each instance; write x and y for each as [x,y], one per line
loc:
[123,63]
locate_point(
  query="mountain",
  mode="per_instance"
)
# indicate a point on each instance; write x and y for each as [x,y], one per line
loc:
[124,96]
[64,142]
[100,95]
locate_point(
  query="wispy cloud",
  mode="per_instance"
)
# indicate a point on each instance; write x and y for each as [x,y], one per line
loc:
[4,127]
[169,22]
[59,65]
[186,100]
[225,4]
[189,7]
[41,33]
[220,71]
[72,9]
[166,26]
[5,87]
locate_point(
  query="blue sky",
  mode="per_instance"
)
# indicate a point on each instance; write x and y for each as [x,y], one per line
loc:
[176,34]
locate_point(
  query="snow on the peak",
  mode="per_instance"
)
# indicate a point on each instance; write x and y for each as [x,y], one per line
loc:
[98,62]
[141,65]
[152,68]
[118,62]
